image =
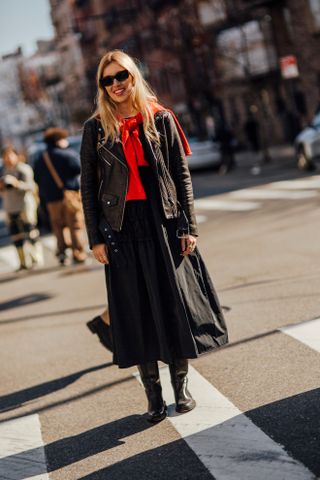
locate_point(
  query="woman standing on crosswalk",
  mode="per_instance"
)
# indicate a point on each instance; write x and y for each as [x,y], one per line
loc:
[139,210]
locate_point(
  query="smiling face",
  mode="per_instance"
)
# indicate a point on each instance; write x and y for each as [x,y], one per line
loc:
[119,91]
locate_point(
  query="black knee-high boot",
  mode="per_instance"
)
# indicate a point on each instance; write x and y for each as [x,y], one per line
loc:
[178,372]
[157,409]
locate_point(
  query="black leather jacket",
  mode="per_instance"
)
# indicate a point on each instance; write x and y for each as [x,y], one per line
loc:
[104,177]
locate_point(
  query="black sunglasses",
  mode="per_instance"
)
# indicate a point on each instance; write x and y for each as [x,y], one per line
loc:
[108,80]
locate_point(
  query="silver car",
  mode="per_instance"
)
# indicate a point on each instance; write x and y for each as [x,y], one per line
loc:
[307,145]
[205,154]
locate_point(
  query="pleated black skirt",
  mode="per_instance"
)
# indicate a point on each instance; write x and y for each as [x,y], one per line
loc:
[162,305]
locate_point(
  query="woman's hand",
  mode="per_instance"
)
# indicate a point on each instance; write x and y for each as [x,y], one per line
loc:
[188,244]
[100,253]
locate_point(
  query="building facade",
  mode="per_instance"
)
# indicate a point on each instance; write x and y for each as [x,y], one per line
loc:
[251,39]
[212,61]
[74,87]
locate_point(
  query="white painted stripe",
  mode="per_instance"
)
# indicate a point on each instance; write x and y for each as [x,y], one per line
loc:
[213,204]
[8,259]
[306,332]
[49,242]
[300,184]
[21,450]
[201,218]
[225,440]
[265,194]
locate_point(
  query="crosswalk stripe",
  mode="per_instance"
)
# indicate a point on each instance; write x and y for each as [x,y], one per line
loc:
[8,259]
[299,184]
[22,453]
[225,440]
[211,203]
[306,332]
[265,194]
[201,218]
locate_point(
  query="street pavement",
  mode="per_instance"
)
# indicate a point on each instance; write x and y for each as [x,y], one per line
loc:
[66,413]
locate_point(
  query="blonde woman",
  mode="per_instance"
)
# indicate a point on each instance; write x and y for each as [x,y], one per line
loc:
[138,204]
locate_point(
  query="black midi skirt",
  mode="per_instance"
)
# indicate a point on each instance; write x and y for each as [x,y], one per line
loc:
[162,305]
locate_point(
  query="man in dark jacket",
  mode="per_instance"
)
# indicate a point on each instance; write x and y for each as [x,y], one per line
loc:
[66,164]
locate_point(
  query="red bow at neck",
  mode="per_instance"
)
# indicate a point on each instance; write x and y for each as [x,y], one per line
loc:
[133,150]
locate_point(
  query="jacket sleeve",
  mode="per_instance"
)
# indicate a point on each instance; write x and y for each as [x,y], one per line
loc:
[89,183]
[180,172]
[26,180]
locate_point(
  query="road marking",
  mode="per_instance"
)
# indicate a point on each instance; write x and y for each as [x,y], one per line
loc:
[49,242]
[300,184]
[306,332]
[210,203]
[21,450]
[8,259]
[201,218]
[265,194]
[225,440]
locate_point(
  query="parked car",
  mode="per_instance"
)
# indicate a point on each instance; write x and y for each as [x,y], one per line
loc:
[205,154]
[307,145]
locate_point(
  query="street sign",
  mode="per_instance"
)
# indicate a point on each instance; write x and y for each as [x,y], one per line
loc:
[289,67]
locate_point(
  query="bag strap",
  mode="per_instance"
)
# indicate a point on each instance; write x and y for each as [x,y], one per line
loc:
[53,171]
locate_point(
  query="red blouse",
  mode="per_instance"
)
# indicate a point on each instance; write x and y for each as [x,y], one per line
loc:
[133,150]
[134,155]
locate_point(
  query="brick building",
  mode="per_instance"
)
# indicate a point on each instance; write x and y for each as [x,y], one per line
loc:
[212,58]
[143,30]
[73,93]
[248,39]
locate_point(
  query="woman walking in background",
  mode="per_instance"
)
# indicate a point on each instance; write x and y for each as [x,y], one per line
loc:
[17,188]
[138,204]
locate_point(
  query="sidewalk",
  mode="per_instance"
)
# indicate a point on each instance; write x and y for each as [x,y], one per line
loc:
[9,260]
[280,155]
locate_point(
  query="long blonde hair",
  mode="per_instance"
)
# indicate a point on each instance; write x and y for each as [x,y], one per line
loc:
[142,97]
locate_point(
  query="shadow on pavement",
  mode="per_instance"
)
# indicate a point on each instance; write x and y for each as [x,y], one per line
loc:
[73,398]
[246,284]
[75,448]
[64,271]
[276,331]
[175,460]
[17,399]
[292,423]
[55,313]
[24,300]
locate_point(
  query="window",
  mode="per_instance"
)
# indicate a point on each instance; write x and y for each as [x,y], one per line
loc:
[315,10]
[242,51]
[212,11]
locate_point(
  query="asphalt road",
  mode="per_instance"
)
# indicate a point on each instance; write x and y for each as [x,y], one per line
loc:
[259,410]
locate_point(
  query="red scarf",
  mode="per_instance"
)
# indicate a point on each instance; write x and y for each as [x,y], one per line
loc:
[133,150]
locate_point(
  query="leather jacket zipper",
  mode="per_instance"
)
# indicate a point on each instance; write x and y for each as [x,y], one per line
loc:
[117,158]
[124,203]
[100,186]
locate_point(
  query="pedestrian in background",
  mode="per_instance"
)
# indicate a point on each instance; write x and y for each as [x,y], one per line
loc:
[225,137]
[18,191]
[139,210]
[56,172]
